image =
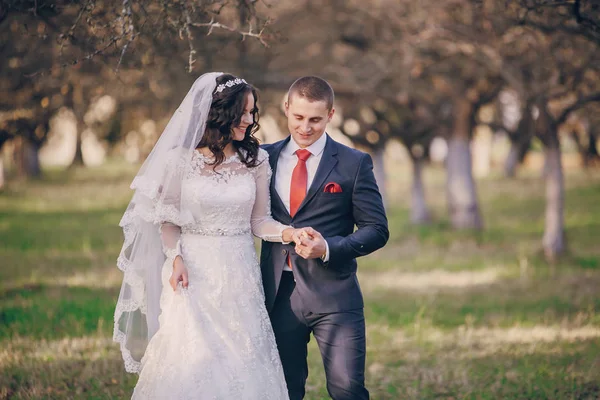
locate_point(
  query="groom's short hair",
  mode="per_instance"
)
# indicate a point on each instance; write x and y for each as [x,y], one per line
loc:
[312,88]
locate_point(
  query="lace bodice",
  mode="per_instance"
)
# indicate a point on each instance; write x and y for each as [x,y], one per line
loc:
[228,200]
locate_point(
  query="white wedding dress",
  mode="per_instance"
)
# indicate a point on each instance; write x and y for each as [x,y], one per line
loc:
[215,340]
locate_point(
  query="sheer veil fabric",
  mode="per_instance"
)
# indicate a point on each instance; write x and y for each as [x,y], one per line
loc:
[156,199]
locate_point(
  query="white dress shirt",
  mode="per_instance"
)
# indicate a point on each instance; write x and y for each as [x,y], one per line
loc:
[285,166]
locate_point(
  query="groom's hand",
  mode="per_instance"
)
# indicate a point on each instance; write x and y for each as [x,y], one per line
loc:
[311,244]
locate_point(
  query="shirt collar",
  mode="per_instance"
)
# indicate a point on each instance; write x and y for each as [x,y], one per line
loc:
[315,149]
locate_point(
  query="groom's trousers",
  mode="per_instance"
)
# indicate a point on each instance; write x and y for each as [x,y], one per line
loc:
[340,337]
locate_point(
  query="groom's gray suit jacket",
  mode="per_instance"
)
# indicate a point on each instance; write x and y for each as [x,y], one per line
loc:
[332,286]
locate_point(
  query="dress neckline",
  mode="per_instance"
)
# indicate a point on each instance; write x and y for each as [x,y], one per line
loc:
[229,159]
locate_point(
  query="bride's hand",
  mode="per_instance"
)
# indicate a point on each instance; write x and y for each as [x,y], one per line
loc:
[294,234]
[179,273]
[300,236]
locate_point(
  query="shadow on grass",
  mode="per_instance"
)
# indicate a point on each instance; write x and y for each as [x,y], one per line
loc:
[558,370]
[103,378]
[548,371]
[568,298]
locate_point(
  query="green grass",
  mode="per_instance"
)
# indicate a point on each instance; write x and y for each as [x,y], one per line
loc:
[453,315]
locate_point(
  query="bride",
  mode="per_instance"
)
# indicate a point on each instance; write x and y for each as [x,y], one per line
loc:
[191,318]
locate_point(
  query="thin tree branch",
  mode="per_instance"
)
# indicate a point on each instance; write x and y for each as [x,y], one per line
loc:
[581,102]
[212,25]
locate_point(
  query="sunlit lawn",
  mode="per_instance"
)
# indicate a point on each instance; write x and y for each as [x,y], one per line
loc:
[450,315]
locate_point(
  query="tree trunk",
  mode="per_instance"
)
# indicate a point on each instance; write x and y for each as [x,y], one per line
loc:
[462,196]
[460,185]
[520,141]
[554,234]
[379,170]
[27,158]
[591,154]
[79,109]
[516,155]
[78,158]
[3,139]
[2,180]
[512,160]
[30,159]
[419,213]
[554,241]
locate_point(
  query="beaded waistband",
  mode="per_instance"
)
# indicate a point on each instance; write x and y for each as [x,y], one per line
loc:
[215,231]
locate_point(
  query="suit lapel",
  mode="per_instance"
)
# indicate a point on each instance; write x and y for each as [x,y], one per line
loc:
[328,162]
[274,160]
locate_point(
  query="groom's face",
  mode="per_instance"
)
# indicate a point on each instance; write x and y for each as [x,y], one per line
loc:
[307,120]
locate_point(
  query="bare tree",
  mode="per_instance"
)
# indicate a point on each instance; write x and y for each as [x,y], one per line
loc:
[65,54]
[576,17]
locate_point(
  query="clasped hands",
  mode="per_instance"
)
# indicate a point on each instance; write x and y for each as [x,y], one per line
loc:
[309,243]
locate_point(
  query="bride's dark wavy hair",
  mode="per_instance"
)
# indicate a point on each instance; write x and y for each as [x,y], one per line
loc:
[226,113]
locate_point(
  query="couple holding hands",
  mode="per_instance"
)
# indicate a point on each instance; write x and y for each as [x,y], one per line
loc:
[199,316]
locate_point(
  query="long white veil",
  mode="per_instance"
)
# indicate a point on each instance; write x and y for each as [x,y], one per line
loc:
[156,200]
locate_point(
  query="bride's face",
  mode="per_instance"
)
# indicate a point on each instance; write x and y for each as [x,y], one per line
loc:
[239,132]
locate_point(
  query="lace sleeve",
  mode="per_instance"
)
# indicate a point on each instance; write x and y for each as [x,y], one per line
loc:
[169,212]
[169,235]
[263,225]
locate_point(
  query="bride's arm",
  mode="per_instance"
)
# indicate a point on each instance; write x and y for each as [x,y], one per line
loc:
[170,231]
[263,225]
[168,211]
[169,235]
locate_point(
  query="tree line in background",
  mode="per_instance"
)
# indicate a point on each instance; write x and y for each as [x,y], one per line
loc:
[402,70]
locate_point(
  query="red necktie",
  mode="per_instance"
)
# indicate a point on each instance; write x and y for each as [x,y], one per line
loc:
[298,185]
[299,181]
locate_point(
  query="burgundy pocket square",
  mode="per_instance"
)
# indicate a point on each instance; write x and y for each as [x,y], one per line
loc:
[332,187]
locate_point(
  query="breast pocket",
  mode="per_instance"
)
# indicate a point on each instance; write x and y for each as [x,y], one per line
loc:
[333,195]
[335,191]
[330,202]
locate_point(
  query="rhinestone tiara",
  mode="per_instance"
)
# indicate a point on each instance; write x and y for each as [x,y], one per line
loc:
[228,84]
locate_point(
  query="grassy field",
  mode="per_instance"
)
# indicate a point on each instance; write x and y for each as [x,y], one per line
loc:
[450,315]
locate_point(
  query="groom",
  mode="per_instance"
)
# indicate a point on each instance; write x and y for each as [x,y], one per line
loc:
[311,285]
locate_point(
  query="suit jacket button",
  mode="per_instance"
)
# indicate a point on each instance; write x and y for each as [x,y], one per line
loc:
[284,252]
